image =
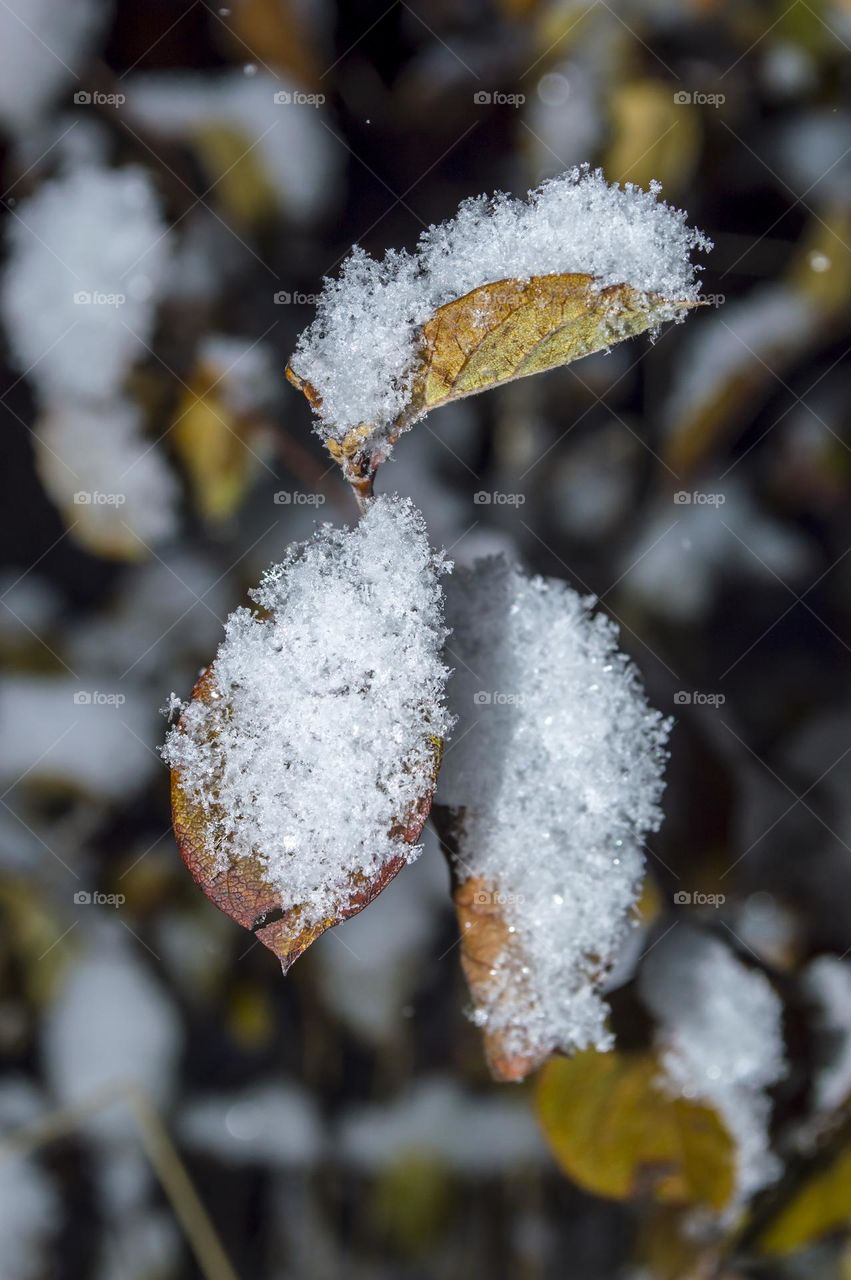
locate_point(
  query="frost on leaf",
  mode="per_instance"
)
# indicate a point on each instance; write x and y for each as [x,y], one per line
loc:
[504,289]
[553,780]
[304,765]
[720,1041]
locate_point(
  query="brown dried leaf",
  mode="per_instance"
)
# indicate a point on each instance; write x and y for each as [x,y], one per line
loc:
[484,941]
[243,893]
[495,334]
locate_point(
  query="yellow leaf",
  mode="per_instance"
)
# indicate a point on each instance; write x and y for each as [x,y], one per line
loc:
[236,171]
[653,135]
[616,1133]
[515,328]
[209,438]
[822,1205]
[507,330]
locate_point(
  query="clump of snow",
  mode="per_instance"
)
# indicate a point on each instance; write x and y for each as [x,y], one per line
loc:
[111,1026]
[556,770]
[298,155]
[29,1216]
[473,1134]
[42,46]
[106,477]
[318,741]
[271,1123]
[720,1037]
[88,257]
[828,982]
[360,351]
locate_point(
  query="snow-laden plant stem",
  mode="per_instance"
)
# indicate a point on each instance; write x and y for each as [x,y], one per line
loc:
[305,765]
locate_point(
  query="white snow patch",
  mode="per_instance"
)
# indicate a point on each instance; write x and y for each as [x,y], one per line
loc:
[319,740]
[271,1123]
[359,353]
[476,1135]
[88,258]
[42,46]
[111,1026]
[29,1216]
[106,476]
[828,982]
[298,154]
[720,1036]
[557,767]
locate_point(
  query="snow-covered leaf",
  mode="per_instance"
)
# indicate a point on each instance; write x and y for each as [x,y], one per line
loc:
[616,1133]
[552,783]
[242,889]
[304,765]
[501,331]
[505,288]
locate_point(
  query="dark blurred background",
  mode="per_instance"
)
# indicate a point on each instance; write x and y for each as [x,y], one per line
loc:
[340,1122]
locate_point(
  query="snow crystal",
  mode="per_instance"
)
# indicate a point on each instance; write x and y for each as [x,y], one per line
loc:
[720,1036]
[109,480]
[344,671]
[359,352]
[88,257]
[473,1134]
[557,767]
[42,44]
[828,981]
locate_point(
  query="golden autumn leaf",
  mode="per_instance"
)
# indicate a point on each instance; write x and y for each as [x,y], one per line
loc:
[485,939]
[500,332]
[653,135]
[242,891]
[211,438]
[821,1205]
[235,169]
[615,1132]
